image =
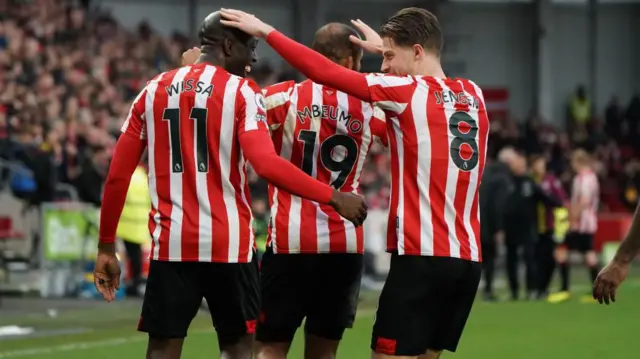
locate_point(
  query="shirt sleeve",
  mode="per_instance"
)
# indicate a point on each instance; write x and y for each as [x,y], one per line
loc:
[126,158]
[390,92]
[134,123]
[319,68]
[379,126]
[251,112]
[259,151]
[276,98]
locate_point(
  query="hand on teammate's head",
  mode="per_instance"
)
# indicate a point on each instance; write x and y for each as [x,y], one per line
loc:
[372,41]
[245,22]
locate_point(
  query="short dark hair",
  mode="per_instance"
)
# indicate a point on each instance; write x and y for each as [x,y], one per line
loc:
[332,41]
[412,26]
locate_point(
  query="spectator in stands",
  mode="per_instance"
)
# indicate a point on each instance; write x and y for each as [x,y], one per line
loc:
[630,184]
[613,118]
[580,113]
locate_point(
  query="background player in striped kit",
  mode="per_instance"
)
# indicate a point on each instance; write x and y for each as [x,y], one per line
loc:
[437,129]
[583,221]
[313,264]
[201,124]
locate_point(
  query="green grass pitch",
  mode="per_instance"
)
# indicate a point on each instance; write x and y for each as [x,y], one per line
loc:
[522,330]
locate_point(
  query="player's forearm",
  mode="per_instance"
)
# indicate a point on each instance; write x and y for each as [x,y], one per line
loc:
[125,160]
[258,150]
[318,68]
[630,246]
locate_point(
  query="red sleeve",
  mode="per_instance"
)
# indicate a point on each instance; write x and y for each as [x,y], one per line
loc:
[258,150]
[276,98]
[318,68]
[126,158]
[379,126]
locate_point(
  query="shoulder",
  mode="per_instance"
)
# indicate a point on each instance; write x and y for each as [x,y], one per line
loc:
[389,80]
[279,88]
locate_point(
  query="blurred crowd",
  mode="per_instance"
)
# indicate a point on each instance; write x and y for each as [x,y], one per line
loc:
[69,71]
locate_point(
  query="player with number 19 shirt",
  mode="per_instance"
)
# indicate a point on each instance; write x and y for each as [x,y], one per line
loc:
[328,134]
[312,267]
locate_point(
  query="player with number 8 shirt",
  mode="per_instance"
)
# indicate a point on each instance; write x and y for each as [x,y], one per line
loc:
[437,129]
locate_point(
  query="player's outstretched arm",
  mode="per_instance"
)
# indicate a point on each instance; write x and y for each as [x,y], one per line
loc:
[259,151]
[126,158]
[611,276]
[311,63]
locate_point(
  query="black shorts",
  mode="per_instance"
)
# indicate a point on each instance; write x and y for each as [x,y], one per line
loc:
[175,290]
[424,304]
[324,288]
[580,242]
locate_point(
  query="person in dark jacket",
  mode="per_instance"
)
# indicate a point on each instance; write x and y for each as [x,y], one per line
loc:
[546,244]
[493,193]
[521,225]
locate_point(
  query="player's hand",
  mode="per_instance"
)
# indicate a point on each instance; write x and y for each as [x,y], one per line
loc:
[608,281]
[245,22]
[372,41]
[106,274]
[190,56]
[350,206]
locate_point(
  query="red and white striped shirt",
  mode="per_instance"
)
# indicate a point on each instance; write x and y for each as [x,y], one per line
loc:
[438,132]
[585,194]
[191,118]
[328,135]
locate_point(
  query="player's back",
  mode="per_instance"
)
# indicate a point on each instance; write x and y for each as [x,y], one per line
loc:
[200,199]
[438,149]
[328,134]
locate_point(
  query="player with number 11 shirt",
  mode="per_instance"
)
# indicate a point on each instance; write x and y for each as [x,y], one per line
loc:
[202,124]
[437,129]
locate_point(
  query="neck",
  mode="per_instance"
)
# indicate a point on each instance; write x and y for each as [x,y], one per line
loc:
[211,58]
[431,66]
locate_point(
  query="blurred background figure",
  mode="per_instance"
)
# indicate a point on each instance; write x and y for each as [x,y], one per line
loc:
[521,226]
[585,194]
[494,190]
[133,229]
[546,243]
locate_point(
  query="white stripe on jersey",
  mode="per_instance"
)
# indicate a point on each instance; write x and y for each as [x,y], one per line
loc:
[471,189]
[175,233]
[341,128]
[285,152]
[226,143]
[153,184]
[452,182]
[400,212]
[419,108]
[204,206]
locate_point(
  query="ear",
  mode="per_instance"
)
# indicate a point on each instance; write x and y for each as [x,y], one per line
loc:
[227,47]
[349,63]
[418,50]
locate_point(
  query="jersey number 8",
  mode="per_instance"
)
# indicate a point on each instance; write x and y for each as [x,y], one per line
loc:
[464,147]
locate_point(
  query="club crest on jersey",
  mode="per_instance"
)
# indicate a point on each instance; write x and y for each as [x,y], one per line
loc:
[260,102]
[327,112]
